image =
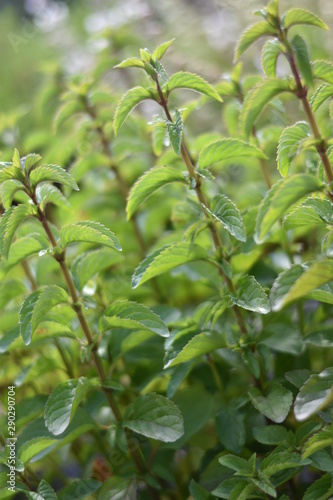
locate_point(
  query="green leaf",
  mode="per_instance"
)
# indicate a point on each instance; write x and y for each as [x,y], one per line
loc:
[302,216]
[36,305]
[52,173]
[297,282]
[289,143]
[46,193]
[9,223]
[322,93]
[11,172]
[8,191]
[228,214]
[253,33]
[227,149]
[67,110]
[156,417]
[46,491]
[230,429]
[318,441]
[277,462]
[62,403]
[9,290]
[238,464]
[301,16]
[150,182]
[315,395]
[91,263]
[186,80]
[131,315]
[117,488]
[320,337]
[175,131]
[281,197]
[79,489]
[302,58]
[269,56]
[270,434]
[251,296]
[233,488]
[166,258]
[128,102]
[321,489]
[30,161]
[23,248]
[200,344]
[90,232]
[323,70]
[257,99]
[198,492]
[161,49]
[131,62]
[275,405]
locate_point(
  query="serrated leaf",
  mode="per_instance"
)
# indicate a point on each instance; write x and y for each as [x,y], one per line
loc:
[257,99]
[301,16]
[191,81]
[161,49]
[117,488]
[237,464]
[321,94]
[302,216]
[175,131]
[321,489]
[36,440]
[150,182]
[131,315]
[318,441]
[65,111]
[251,34]
[131,62]
[200,344]
[127,103]
[30,161]
[270,434]
[230,429]
[79,489]
[275,405]
[52,173]
[62,403]
[269,56]
[9,223]
[323,70]
[227,149]
[289,143]
[90,232]
[298,281]
[11,172]
[23,248]
[154,416]
[233,487]
[46,193]
[302,57]
[166,258]
[9,290]
[36,305]
[281,197]
[46,491]
[277,462]
[315,395]
[91,263]
[8,191]
[223,209]
[251,296]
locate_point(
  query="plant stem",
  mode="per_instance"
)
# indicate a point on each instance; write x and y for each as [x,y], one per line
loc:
[203,203]
[134,452]
[301,92]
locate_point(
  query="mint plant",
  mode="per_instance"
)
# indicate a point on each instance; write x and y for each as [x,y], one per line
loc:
[198,365]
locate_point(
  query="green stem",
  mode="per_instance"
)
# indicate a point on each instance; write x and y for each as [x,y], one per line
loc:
[134,452]
[203,203]
[301,92]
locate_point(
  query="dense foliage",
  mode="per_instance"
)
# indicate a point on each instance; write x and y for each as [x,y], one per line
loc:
[166,291]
